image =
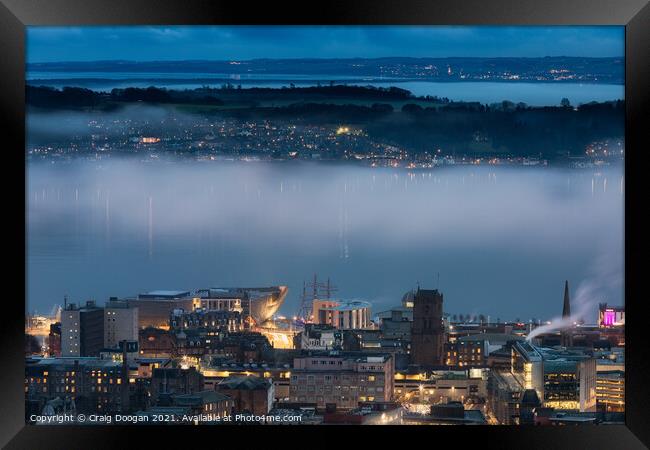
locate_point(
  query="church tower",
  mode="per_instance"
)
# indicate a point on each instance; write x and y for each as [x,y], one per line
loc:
[566,308]
[566,335]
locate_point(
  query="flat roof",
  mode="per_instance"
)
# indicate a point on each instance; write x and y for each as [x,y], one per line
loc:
[83,362]
[491,337]
[527,350]
[577,419]
[175,410]
[349,305]
[165,293]
[208,396]
[509,380]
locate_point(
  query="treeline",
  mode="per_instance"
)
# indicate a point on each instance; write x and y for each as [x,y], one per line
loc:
[417,125]
[500,128]
[312,113]
[76,98]
[330,90]
[66,98]
[462,128]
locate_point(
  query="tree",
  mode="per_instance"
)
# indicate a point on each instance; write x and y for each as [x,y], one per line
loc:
[565,103]
[507,105]
[411,108]
[382,107]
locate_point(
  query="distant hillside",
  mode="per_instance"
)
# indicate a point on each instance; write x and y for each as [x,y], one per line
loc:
[388,115]
[562,69]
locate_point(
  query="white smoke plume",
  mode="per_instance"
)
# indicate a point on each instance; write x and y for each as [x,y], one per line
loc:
[605,285]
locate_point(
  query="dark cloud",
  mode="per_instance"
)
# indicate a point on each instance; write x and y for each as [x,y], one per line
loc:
[246,42]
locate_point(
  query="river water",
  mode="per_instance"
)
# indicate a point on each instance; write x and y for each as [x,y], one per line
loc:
[496,241]
[533,94]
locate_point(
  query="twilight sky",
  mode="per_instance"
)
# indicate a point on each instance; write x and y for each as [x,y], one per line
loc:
[147,43]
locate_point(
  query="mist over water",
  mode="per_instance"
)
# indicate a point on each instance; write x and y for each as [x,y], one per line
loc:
[503,240]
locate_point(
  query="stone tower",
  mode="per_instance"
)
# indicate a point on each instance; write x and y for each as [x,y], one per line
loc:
[428,334]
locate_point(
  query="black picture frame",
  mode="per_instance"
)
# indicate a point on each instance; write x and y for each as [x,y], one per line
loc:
[15,15]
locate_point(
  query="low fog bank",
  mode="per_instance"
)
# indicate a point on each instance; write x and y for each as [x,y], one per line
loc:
[49,127]
[463,206]
[503,239]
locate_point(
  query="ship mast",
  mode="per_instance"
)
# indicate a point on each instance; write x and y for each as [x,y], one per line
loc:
[317,290]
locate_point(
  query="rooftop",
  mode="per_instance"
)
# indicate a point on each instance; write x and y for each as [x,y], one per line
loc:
[89,305]
[529,397]
[349,305]
[611,375]
[502,351]
[199,398]
[506,380]
[387,313]
[71,361]
[530,352]
[159,410]
[164,294]
[559,365]
[358,356]
[117,304]
[494,337]
[244,383]
[221,293]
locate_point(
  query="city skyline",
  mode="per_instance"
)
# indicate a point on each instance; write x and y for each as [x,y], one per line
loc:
[325,241]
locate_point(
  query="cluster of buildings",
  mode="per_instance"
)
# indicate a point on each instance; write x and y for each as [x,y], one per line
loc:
[208,139]
[231,139]
[204,352]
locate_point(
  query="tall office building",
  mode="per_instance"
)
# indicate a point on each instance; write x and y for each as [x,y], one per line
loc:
[82,330]
[427,336]
[120,323]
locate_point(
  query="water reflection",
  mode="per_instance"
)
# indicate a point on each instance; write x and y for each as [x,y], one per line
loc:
[503,240]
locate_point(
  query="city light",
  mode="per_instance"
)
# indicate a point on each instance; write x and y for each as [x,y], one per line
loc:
[207,212]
